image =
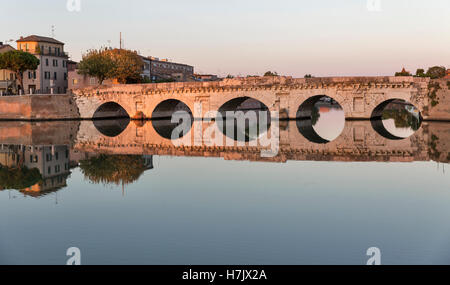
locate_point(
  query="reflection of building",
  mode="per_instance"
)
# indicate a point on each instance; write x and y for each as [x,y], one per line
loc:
[7,77]
[148,161]
[51,75]
[51,161]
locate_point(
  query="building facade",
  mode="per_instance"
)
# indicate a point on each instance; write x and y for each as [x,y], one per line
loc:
[51,76]
[7,77]
[165,70]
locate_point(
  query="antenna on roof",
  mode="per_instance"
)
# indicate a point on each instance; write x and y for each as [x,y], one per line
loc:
[53,31]
[120,46]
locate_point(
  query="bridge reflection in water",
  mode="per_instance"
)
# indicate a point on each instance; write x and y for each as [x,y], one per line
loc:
[37,158]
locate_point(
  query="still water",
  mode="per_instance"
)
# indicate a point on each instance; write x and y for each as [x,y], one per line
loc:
[125,194]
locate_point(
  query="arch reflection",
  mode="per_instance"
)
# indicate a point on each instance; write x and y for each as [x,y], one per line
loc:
[244,119]
[111,127]
[172,115]
[320,119]
[396,119]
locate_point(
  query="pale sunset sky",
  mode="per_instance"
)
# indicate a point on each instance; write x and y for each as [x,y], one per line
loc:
[241,37]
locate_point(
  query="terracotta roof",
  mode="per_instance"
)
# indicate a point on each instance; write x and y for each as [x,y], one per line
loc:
[6,47]
[34,38]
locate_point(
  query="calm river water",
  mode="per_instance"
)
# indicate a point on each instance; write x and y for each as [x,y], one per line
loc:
[123,194]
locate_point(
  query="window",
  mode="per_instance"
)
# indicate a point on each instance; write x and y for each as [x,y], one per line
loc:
[92,81]
[46,62]
[56,156]
[49,170]
[67,153]
[54,77]
[65,76]
[75,81]
[49,157]
[57,168]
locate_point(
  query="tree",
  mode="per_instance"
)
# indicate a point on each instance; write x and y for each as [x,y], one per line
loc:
[18,178]
[18,62]
[127,66]
[113,169]
[308,76]
[436,72]
[420,73]
[98,64]
[270,73]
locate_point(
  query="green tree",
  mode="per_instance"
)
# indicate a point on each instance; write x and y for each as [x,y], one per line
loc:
[18,178]
[98,64]
[113,169]
[18,62]
[270,73]
[436,72]
[308,76]
[420,72]
[127,66]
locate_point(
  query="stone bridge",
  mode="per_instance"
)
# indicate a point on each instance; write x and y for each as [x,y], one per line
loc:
[358,96]
[357,142]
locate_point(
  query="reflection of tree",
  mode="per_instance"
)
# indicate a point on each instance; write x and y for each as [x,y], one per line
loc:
[113,169]
[315,115]
[402,118]
[18,178]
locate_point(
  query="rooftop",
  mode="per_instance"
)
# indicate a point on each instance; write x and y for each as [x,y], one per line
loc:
[5,48]
[34,38]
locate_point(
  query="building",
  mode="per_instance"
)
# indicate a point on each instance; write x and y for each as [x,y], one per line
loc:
[146,74]
[447,76]
[51,75]
[162,70]
[7,77]
[76,80]
[206,77]
[53,163]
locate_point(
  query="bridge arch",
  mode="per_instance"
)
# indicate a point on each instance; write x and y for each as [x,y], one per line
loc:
[396,119]
[110,109]
[250,126]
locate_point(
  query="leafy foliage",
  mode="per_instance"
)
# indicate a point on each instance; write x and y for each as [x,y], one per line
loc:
[123,65]
[18,62]
[436,72]
[127,66]
[270,73]
[98,64]
[18,178]
[113,169]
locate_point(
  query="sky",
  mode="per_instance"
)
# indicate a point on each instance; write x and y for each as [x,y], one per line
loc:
[249,37]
